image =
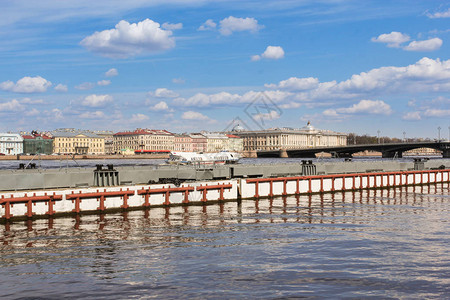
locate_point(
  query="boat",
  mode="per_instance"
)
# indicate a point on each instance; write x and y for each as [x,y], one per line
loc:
[189,158]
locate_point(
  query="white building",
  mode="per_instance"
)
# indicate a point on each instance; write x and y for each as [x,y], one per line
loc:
[289,138]
[11,143]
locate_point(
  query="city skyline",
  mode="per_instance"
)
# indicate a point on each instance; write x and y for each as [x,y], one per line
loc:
[349,66]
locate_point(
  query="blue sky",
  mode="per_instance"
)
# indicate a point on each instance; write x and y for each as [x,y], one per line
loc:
[345,65]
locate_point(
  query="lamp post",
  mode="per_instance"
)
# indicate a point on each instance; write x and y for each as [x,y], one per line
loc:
[378,131]
[439,133]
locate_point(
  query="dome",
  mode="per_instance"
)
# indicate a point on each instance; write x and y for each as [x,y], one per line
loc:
[308,127]
[238,128]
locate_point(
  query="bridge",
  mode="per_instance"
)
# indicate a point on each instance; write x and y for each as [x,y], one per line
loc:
[387,150]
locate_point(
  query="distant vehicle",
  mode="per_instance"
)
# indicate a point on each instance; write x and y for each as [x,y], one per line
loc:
[2,154]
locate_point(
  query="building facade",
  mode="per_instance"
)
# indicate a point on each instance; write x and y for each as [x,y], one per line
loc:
[199,142]
[183,143]
[11,143]
[290,138]
[37,144]
[143,139]
[77,142]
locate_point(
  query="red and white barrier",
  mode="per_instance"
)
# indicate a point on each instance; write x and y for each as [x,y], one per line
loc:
[77,201]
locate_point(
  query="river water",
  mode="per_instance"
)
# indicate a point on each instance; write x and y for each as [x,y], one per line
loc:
[369,244]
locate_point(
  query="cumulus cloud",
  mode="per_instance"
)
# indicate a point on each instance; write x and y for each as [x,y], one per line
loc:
[208,25]
[193,115]
[92,115]
[85,86]
[111,72]
[377,107]
[27,85]
[426,45]
[296,84]
[443,14]
[61,88]
[11,106]
[104,82]
[396,39]
[163,93]
[96,100]
[271,52]
[412,116]
[160,106]
[139,117]
[170,26]
[437,113]
[127,39]
[393,39]
[31,101]
[233,24]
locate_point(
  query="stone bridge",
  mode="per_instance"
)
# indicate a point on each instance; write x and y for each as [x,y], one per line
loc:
[387,150]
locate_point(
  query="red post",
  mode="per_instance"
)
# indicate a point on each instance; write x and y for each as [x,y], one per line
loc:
[256,189]
[332,183]
[284,187]
[167,202]
[186,196]
[321,184]
[298,186]
[310,185]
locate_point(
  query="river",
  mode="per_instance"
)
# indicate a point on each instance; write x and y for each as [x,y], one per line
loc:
[369,244]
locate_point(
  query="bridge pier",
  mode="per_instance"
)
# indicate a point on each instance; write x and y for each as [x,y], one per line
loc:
[283,153]
[446,153]
[391,154]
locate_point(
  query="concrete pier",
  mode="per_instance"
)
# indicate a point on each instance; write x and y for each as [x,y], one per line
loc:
[247,182]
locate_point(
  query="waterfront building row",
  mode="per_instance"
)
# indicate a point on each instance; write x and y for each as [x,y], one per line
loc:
[72,141]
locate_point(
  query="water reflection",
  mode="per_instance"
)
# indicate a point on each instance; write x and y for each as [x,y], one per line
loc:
[364,243]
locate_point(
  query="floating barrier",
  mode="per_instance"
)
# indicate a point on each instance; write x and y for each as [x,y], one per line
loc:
[41,204]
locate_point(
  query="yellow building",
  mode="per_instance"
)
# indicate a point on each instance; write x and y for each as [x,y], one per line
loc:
[144,140]
[77,142]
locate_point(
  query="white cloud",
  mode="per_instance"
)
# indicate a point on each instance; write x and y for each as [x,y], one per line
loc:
[127,39]
[61,88]
[163,93]
[193,115]
[393,39]
[178,80]
[139,117]
[170,26]
[437,113]
[104,82]
[426,45]
[272,115]
[161,106]
[271,52]
[27,85]
[11,106]
[208,25]
[111,72]
[377,107]
[92,115]
[96,100]
[233,24]
[296,84]
[31,101]
[32,113]
[412,116]
[55,114]
[85,86]
[443,14]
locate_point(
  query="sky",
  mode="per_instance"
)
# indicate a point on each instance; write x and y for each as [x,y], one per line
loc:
[364,67]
